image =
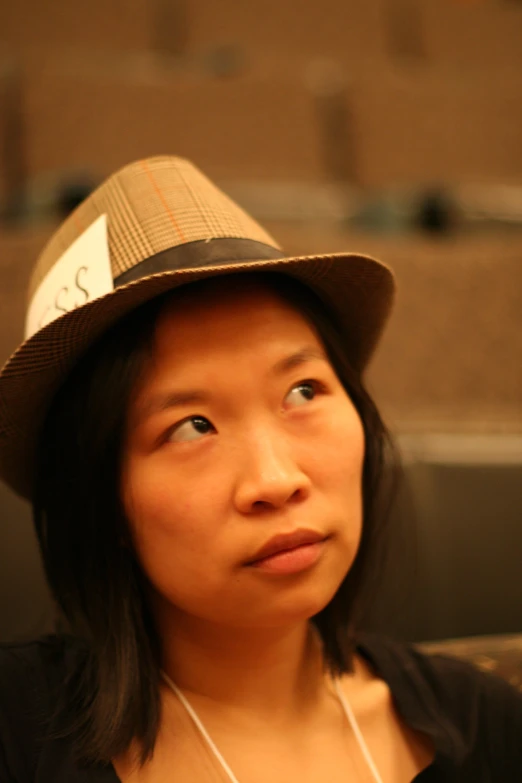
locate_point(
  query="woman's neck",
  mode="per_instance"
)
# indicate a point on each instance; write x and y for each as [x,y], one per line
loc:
[271,673]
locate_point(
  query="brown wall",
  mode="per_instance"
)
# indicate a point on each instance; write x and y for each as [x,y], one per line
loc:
[97,89]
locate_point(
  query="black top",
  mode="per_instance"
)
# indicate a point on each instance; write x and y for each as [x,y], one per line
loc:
[473,718]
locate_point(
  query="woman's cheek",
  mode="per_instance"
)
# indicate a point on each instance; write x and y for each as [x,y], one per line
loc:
[342,442]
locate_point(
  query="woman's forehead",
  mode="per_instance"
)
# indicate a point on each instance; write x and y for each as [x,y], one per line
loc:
[249,336]
[225,329]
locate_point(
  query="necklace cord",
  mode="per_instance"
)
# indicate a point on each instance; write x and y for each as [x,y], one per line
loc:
[193,714]
[208,739]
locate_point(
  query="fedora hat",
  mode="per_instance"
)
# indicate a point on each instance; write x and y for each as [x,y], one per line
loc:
[153,226]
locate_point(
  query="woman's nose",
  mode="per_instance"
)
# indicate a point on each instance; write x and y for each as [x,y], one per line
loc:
[269,476]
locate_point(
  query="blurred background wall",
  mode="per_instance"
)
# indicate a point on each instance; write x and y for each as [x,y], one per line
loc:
[389,127]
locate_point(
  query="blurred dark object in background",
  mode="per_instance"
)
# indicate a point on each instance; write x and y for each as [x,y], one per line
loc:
[329,87]
[71,193]
[226,60]
[436,212]
[12,140]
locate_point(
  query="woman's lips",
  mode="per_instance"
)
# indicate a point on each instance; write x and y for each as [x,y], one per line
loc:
[291,561]
[290,554]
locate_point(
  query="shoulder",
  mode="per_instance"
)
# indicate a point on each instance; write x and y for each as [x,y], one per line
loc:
[452,680]
[473,716]
[32,678]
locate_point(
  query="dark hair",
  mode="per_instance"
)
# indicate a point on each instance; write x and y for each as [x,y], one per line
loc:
[85,541]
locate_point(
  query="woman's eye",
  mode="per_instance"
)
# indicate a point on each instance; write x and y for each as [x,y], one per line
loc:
[303,392]
[189,429]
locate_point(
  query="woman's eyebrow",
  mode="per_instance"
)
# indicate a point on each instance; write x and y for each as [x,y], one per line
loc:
[176,398]
[306,354]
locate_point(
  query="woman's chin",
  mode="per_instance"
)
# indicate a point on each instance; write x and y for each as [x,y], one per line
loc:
[290,609]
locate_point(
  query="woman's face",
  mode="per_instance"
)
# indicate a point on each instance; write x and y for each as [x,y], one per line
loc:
[240,431]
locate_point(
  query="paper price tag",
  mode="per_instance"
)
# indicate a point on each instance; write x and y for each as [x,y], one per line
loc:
[83,273]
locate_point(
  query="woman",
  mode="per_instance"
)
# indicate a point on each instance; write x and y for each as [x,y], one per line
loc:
[206,469]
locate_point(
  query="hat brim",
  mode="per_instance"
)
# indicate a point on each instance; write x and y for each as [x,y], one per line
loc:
[358,288]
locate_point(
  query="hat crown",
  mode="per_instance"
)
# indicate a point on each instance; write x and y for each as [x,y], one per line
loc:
[152,205]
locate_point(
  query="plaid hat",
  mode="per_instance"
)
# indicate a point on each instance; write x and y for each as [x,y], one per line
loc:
[154,225]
